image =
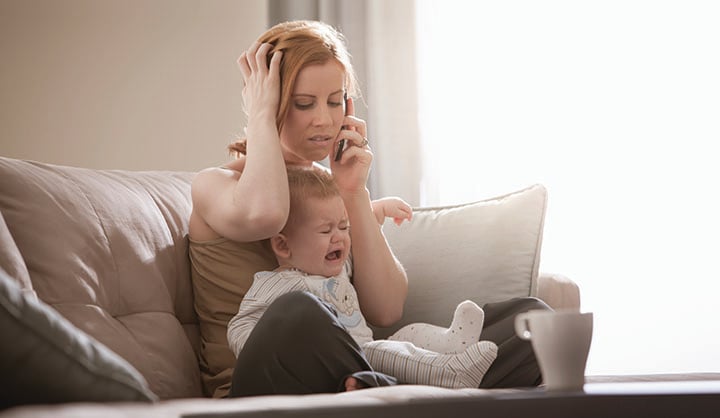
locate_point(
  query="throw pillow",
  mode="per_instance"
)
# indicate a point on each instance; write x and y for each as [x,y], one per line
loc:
[485,251]
[45,359]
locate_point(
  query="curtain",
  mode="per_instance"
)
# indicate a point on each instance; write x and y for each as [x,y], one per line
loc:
[381,38]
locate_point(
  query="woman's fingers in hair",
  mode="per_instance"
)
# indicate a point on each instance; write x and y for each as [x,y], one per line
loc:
[243,65]
[250,55]
[275,63]
[261,57]
[255,59]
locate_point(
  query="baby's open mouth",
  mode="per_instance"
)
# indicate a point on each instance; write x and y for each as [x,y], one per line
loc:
[333,255]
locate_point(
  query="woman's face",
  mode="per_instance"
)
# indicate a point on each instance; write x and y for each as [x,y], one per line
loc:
[315,114]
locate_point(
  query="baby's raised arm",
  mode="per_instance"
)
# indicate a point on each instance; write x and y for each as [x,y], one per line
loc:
[391,207]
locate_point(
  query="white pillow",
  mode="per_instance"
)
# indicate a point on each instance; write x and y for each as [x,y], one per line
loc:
[486,251]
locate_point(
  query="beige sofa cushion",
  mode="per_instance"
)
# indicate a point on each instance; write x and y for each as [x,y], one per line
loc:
[108,251]
[11,261]
[486,251]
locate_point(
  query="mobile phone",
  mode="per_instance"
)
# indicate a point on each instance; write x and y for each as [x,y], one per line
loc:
[338,154]
[341,143]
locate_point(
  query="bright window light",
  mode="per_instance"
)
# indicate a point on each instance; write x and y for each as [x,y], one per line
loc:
[615,107]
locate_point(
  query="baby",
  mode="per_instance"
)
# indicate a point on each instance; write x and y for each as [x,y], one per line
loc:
[313,253]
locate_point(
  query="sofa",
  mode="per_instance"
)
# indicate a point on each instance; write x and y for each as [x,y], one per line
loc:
[97,303]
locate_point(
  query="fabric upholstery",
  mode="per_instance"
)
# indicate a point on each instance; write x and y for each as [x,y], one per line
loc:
[45,359]
[107,249]
[486,251]
[11,261]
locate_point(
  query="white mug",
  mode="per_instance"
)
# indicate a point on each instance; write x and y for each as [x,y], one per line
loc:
[561,341]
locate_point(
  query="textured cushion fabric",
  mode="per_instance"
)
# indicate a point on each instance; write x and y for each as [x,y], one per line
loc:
[486,251]
[107,249]
[11,261]
[45,359]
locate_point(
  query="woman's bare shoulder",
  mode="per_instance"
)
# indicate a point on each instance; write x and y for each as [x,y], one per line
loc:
[210,176]
[206,186]
[209,182]
[215,173]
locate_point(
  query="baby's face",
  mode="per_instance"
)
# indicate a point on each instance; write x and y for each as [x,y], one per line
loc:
[319,239]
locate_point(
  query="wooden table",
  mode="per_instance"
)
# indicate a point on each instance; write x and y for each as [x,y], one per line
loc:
[676,399]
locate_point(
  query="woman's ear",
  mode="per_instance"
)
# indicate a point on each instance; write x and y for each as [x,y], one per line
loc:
[280,246]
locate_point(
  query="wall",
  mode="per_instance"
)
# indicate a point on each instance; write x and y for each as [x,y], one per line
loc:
[123,84]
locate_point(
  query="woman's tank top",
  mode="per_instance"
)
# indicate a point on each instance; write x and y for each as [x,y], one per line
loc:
[222,272]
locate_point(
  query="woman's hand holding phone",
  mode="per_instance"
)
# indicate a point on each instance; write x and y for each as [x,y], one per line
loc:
[350,163]
[341,144]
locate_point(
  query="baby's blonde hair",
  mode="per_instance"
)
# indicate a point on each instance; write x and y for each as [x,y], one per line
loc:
[306,183]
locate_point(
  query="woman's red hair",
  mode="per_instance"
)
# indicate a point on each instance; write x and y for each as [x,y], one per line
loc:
[303,43]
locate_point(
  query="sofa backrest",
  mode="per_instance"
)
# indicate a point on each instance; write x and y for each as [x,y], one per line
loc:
[108,250]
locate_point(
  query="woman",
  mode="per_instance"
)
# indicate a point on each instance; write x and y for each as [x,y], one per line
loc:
[297,76]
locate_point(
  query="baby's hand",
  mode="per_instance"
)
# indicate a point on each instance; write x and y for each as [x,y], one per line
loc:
[391,207]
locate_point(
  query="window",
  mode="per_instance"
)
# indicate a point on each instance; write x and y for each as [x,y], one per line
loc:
[615,107]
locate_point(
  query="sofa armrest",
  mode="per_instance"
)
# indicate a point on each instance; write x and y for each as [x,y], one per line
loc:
[558,291]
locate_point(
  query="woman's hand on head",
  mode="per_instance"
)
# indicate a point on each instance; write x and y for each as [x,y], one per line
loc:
[261,90]
[352,170]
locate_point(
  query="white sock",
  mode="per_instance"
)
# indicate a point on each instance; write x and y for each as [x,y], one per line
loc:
[465,329]
[413,365]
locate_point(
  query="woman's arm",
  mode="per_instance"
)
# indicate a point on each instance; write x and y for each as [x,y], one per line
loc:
[253,205]
[378,277]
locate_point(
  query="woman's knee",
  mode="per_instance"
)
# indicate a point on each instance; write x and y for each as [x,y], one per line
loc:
[532,303]
[501,310]
[298,312]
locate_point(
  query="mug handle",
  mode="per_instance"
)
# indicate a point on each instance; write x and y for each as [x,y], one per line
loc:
[522,328]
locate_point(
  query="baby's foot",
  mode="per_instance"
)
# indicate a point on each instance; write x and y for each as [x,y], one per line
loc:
[366,379]
[351,384]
